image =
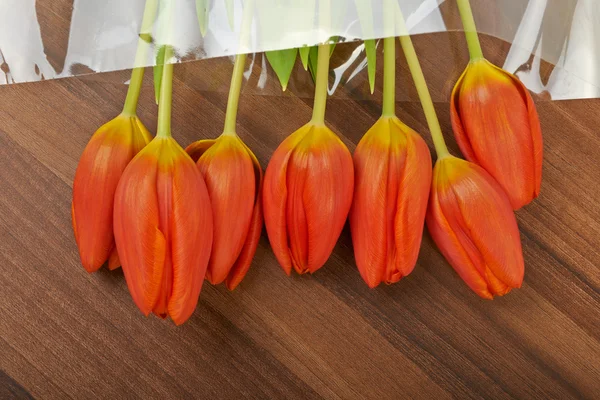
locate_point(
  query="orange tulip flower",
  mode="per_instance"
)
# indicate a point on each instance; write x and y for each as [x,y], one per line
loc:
[307,196]
[392,166]
[497,127]
[393,173]
[234,180]
[163,230]
[163,220]
[472,222]
[101,165]
[308,188]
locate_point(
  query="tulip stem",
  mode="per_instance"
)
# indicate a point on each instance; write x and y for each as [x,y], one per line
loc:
[166,96]
[424,95]
[318,117]
[237,77]
[466,15]
[133,93]
[389,77]
[137,74]
[234,95]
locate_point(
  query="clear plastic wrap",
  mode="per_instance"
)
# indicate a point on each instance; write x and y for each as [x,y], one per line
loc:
[102,36]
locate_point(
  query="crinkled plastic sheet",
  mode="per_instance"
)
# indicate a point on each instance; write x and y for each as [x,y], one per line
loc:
[103,35]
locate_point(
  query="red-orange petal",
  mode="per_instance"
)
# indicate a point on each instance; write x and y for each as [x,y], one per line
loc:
[411,206]
[229,174]
[472,222]
[274,198]
[198,148]
[459,131]
[242,264]
[536,138]
[296,220]
[370,218]
[113,260]
[74,223]
[192,235]
[141,245]
[326,195]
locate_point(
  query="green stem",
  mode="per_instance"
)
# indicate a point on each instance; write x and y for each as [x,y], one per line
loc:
[389,77]
[237,78]
[133,93]
[320,105]
[234,94]
[466,15]
[424,96]
[322,78]
[137,74]
[166,97]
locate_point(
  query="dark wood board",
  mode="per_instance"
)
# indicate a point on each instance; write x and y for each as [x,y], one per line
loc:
[67,334]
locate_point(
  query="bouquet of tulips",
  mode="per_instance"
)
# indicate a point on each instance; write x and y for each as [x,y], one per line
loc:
[173,217]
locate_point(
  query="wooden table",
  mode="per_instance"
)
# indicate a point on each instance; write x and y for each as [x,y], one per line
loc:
[65,333]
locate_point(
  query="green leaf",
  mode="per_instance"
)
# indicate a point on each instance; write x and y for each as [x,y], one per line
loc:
[304,52]
[313,58]
[365,15]
[283,62]
[202,11]
[158,71]
[229,7]
[371,50]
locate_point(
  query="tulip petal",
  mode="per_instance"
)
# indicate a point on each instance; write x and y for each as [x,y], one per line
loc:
[164,194]
[368,216]
[74,223]
[229,175]
[327,194]
[296,215]
[494,229]
[275,196]
[242,264]
[462,139]
[455,250]
[140,243]
[411,204]
[141,135]
[197,149]
[536,138]
[113,260]
[191,235]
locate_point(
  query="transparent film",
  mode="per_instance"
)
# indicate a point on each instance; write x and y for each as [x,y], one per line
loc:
[554,46]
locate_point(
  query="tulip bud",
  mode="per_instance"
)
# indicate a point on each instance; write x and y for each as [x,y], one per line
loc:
[101,165]
[307,196]
[392,166]
[497,127]
[233,177]
[163,230]
[472,222]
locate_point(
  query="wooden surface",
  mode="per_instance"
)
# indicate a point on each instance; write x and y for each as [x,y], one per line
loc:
[67,334]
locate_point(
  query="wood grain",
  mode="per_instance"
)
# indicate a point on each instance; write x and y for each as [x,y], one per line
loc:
[67,334]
